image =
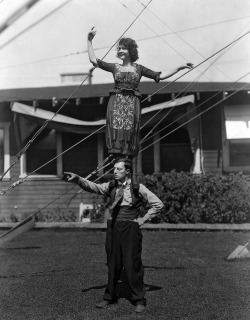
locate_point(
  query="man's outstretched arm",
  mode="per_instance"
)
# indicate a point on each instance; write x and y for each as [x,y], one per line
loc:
[87,185]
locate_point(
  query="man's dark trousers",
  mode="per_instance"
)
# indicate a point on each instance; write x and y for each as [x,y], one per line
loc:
[126,248]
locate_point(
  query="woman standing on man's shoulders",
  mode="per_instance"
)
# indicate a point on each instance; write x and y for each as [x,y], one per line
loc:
[124,111]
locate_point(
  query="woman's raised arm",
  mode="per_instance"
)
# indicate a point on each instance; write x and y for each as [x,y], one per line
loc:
[92,57]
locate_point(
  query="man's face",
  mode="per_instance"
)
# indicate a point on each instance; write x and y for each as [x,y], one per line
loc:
[120,171]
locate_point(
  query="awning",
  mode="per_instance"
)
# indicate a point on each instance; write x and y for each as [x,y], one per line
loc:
[149,119]
[28,116]
[44,114]
[237,121]
[169,104]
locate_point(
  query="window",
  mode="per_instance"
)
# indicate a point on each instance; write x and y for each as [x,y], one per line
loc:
[1,150]
[239,152]
[44,148]
[236,136]
[4,149]
[75,77]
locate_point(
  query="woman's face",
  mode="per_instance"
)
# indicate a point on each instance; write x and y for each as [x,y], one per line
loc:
[122,52]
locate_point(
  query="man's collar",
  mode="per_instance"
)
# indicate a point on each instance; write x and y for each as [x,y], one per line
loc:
[126,182]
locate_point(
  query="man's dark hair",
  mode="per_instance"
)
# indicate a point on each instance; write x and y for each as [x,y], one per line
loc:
[127,164]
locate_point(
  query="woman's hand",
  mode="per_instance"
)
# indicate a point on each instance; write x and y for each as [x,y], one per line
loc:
[91,34]
[186,66]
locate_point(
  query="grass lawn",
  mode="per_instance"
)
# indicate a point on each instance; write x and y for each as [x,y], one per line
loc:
[61,275]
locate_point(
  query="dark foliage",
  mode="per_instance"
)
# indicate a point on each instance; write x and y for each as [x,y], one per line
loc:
[201,198]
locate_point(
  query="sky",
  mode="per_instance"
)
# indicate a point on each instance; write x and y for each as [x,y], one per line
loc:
[50,39]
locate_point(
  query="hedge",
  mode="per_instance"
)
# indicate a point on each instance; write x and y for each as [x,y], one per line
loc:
[210,198]
[187,198]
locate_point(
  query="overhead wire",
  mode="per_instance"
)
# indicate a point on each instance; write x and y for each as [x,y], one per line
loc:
[162,88]
[106,47]
[189,85]
[198,27]
[179,36]
[191,119]
[198,115]
[170,46]
[219,56]
[101,168]
[145,137]
[18,156]
[196,107]
[228,45]
[186,113]
[140,151]
[67,191]
[159,36]
[21,180]
[34,24]
[211,56]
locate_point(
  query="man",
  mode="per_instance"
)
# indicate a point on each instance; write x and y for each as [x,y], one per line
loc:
[125,233]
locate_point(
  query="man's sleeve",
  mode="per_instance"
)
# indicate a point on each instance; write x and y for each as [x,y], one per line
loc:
[90,186]
[155,204]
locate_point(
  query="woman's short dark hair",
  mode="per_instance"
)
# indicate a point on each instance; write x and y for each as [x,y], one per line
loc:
[131,45]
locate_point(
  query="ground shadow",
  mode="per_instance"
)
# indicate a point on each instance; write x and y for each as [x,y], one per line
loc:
[123,287]
[94,288]
[165,268]
[21,248]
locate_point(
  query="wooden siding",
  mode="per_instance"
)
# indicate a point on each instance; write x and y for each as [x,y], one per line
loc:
[212,161]
[34,194]
[211,127]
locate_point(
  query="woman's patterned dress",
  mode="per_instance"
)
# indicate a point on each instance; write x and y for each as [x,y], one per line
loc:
[124,112]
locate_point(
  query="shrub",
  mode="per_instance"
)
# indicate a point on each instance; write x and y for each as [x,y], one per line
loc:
[56,215]
[187,198]
[201,198]
[13,217]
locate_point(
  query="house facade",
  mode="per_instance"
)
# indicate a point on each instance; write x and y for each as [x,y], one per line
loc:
[204,131]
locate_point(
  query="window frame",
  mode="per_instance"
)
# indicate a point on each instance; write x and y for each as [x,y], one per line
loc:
[59,165]
[6,138]
[226,148]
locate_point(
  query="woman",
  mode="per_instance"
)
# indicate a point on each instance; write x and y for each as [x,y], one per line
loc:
[124,112]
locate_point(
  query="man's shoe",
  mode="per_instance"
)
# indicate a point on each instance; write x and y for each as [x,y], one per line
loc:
[104,304]
[139,308]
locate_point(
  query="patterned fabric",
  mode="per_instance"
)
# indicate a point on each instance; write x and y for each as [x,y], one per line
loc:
[123,112]
[124,109]
[121,76]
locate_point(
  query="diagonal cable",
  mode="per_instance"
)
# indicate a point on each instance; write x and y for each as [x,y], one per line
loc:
[34,24]
[196,107]
[18,156]
[106,47]
[214,54]
[214,105]
[216,59]
[178,35]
